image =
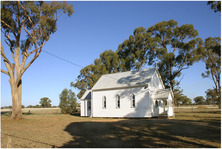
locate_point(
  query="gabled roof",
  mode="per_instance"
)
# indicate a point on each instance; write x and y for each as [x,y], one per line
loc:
[125,79]
[86,95]
[162,94]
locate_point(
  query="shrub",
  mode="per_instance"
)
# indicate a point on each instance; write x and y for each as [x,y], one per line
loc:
[45,102]
[68,101]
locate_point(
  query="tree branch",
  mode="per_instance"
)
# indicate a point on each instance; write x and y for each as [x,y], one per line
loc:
[175,48]
[11,47]
[3,56]
[27,31]
[178,71]
[212,75]
[28,18]
[6,61]
[26,67]
[181,68]
[3,71]
[37,49]
[9,27]
[18,19]
[33,59]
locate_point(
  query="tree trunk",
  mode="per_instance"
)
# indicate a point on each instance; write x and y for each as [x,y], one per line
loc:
[16,90]
[171,79]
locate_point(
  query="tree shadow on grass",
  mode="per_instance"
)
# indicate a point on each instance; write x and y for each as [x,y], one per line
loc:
[75,114]
[5,113]
[140,133]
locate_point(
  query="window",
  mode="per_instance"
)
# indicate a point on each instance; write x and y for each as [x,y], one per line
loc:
[156,104]
[89,105]
[132,99]
[104,102]
[117,101]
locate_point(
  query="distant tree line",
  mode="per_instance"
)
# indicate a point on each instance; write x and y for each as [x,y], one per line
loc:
[68,102]
[29,106]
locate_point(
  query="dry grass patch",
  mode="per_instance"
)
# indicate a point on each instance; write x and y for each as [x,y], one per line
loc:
[197,129]
[203,107]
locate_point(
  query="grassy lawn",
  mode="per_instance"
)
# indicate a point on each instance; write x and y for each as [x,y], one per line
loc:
[198,129]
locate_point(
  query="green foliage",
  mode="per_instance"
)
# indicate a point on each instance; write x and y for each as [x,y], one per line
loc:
[37,18]
[186,100]
[29,106]
[108,62]
[173,47]
[179,98]
[212,58]
[45,102]
[199,100]
[215,5]
[212,97]
[6,107]
[37,106]
[78,104]
[68,101]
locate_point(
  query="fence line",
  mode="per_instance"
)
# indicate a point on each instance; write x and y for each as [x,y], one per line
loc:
[9,143]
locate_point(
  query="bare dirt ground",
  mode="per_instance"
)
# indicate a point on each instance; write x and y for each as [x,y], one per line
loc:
[198,129]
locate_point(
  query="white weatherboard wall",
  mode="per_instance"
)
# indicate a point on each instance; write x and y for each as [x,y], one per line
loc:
[84,108]
[170,106]
[142,103]
[155,82]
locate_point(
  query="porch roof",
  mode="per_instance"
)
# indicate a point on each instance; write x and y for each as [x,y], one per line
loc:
[162,94]
[86,95]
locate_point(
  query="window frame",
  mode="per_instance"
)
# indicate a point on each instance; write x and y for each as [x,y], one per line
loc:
[156,104]
[104,102]
[133,100]
[117,101]
[89,104]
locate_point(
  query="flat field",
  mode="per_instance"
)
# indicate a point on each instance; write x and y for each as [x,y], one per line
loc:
[198,129]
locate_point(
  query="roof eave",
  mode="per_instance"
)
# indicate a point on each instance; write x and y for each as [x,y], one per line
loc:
[123,87]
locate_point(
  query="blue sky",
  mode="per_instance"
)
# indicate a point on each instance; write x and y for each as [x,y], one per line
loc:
[99,26]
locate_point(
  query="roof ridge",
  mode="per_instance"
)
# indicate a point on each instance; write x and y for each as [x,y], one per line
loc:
[128,71]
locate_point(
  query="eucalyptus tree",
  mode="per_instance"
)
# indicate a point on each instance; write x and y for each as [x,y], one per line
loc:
[215,5]
[212,97]
[108,62]
[68,101]
[36,20]
[173,47]
[212,59]
[45,102]
[199,100]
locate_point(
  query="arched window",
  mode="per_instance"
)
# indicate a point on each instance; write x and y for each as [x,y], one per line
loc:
[132,100]
[104,102]
[89,105]
[156,104]
[117,101]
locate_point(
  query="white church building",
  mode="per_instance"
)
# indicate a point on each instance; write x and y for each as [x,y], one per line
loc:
[131,94]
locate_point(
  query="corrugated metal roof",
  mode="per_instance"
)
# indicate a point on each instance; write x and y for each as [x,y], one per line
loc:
[86,95]
[162,94]
[125,79]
